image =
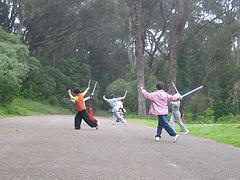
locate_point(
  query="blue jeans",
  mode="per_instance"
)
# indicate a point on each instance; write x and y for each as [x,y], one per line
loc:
[162,123]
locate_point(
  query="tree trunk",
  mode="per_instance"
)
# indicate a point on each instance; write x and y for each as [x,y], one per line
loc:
[131,57]
[20,25]
[183,7]
[139,55]
[237,47]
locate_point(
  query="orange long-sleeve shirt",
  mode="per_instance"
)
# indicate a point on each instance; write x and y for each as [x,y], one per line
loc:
[79,102]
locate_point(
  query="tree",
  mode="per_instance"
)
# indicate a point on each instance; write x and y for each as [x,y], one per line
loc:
[9,13]
[15,64]
[139,54]
[182,10]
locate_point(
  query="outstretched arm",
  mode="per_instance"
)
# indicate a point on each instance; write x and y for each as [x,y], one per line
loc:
[104,97]
[85,92]
[121,98]
[71,96]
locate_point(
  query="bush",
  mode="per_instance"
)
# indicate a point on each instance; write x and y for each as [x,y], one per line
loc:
[14,69]
[52,100]
[227,119]
[209,115]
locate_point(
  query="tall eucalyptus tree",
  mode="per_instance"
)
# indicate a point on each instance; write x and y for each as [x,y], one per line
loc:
[139,55]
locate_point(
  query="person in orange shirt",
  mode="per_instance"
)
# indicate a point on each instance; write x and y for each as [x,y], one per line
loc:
[81,109]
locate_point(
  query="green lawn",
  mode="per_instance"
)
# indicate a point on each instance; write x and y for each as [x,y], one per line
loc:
[223,133]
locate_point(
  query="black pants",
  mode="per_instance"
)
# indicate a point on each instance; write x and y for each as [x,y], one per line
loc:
[85,116]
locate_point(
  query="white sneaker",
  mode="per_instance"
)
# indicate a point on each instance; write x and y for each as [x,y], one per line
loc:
[157,138]
[176,138]
[186,132]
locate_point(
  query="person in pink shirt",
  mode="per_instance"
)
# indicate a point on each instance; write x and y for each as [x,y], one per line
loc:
[159,107]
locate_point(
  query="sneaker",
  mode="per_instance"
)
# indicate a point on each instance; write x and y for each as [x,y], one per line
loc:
[176,138]
[97,127]
[157,138]
[186,132]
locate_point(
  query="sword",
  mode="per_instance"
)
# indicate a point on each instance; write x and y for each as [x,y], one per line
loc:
[125,94]
[175,87]
[95,85]
[192,91]
[89,82]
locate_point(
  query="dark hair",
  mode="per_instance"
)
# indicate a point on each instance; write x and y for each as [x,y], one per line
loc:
[160,85]
[76,90]
[112,96]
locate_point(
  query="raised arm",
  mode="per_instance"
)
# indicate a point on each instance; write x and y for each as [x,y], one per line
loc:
[71,96]
[85,92]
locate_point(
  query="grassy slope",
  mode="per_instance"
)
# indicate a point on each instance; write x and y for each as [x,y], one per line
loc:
[26,107]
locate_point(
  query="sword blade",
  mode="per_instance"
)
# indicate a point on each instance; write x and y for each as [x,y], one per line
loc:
[192,91]
[89,82]
[125,94]
[175,87]
[95,85]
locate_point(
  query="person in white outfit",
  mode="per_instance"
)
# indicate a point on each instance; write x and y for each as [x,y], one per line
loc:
[176,116]
[114,103]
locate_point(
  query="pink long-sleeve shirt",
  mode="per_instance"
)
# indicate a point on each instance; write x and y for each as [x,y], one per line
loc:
[160,99]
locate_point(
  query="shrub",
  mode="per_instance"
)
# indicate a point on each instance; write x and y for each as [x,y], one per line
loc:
[227,119]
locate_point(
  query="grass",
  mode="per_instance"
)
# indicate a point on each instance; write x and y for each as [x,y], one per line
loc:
[26,107]
[222,133]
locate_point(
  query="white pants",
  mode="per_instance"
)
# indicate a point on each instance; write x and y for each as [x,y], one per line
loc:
[176,116]
[117,116]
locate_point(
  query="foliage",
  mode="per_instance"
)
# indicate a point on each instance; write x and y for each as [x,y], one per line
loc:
[77,73]
[207,117]
[44,83]
[9,13]
[9,38]
[230,118]
[14,63]
[74,41]
[53,100]
[223,102]
[119,87]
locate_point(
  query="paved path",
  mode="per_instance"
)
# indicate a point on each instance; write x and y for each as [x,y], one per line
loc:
[48,148]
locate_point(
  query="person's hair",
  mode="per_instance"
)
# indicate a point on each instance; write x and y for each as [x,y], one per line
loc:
[76,90]
[160,85]
[112,96]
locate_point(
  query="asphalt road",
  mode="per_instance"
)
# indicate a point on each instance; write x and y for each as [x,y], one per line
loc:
[48,148]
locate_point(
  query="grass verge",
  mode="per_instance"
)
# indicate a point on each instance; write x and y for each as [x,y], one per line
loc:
[222,133]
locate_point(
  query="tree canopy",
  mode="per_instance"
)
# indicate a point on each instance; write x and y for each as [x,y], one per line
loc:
[49,46]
